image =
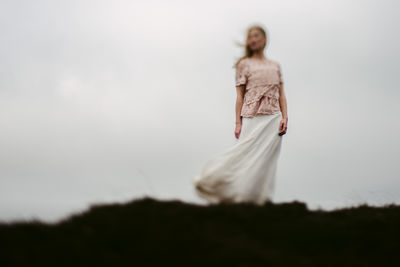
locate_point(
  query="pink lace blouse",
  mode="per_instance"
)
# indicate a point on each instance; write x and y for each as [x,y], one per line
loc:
[262,80]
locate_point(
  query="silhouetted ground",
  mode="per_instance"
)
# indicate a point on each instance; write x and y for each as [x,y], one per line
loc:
[150,232]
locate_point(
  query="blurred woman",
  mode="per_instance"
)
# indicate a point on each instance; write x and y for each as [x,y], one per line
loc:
[246,172]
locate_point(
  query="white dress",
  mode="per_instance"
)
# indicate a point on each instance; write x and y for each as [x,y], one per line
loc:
[246,172]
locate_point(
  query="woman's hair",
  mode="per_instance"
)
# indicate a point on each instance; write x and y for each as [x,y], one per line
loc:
[247,50]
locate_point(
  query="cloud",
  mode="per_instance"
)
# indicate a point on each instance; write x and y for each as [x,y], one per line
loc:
[102,100]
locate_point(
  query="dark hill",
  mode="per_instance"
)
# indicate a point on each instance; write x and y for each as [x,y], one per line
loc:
[150,232]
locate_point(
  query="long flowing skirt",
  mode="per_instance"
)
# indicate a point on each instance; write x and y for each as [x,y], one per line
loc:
[245,172]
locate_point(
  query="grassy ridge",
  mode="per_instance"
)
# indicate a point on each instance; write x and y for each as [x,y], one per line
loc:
[150,232]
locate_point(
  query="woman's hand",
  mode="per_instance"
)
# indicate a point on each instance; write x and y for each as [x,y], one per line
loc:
[238,129]
[283,126]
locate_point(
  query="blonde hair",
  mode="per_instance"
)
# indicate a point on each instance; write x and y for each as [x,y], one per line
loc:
[247,50]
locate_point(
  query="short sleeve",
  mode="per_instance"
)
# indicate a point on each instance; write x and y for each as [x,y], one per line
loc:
[241,73]
[280,74]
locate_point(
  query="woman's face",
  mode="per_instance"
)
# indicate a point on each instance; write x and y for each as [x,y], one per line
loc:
[256,40]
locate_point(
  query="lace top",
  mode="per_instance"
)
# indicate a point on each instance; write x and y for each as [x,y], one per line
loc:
[262,80]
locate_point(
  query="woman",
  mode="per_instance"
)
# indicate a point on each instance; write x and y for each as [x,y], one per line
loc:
[246,172]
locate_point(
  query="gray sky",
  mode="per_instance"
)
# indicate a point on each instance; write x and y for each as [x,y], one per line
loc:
[104,101]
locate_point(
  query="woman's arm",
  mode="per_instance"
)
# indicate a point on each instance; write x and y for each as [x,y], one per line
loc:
[239,103]
[283,102]
[283,106]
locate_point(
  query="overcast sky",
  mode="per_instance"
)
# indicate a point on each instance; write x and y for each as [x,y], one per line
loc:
[104,101]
